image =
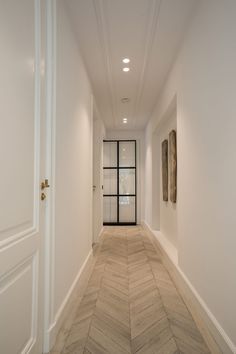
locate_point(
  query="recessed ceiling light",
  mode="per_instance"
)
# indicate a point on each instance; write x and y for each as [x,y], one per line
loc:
[125,120]
[126,60]
[126,69]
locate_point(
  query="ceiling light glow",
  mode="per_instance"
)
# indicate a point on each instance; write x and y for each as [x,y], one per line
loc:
[126,69]
[124,120]
[126,60]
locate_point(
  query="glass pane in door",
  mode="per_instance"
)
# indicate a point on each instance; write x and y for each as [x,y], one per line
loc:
[110,209]
[109,154]
[110,181]
[127,209]
[127,154]
[127,181]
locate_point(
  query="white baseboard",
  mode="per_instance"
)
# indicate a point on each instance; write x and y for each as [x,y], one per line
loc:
[66,305]
[168,247]
[100,234]
[97,238]
[215,336]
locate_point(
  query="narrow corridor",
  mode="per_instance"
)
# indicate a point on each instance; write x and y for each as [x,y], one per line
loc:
[130,304]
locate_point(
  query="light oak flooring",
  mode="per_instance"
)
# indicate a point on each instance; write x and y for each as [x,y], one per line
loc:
[130,304]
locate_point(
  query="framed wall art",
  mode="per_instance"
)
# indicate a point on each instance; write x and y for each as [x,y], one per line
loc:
[173,166]
[165,170]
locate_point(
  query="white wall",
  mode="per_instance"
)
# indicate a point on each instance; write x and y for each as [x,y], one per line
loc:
[73,174]
[204,80]
[139,137]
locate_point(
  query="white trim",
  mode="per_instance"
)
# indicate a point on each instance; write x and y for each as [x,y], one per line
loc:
[100,234]
[37,113]
[218,332]
[195,303]
[65,307]
[98,237]
[50,79]
[168,247]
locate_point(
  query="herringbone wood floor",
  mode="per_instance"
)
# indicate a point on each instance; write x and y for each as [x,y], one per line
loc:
[131,304]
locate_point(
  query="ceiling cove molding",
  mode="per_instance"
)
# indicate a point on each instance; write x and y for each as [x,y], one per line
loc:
[103,31]
[152,21]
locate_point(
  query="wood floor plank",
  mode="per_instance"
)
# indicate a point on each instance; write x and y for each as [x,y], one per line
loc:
[168,348]
[145,319]
[105,342]
[113,330]
[130,304]
[156,342]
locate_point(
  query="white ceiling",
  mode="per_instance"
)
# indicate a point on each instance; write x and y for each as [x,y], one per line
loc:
[148,32]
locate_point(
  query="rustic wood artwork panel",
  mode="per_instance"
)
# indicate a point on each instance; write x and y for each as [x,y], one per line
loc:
[165,170]
[173,166]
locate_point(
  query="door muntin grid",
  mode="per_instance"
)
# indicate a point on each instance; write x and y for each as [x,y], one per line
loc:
[122,166]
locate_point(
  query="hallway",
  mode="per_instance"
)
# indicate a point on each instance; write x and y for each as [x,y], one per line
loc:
[118,170]
[130,304]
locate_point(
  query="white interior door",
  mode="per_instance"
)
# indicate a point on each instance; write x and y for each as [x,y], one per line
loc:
[21,210]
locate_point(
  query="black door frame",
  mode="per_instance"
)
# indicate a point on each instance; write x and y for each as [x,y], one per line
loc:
[118,168]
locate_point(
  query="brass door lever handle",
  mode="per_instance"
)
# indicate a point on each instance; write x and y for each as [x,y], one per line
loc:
[45,184]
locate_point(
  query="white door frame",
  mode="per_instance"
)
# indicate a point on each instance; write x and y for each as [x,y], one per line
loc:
[97,140]
[50,108]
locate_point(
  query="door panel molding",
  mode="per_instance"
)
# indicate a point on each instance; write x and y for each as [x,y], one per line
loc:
[31,225]
[21,231]
[13,254]
[18,236]
[26,273]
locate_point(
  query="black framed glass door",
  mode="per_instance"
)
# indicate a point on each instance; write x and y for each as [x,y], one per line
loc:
[119,182]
